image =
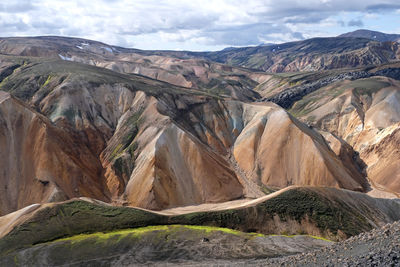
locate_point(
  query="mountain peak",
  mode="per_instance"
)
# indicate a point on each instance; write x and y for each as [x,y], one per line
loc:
[373,35]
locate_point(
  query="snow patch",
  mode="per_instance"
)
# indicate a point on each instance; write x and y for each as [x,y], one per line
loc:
[65,57]
[136,70]
[107,49]
[85,44]
[358,129]
[80,47]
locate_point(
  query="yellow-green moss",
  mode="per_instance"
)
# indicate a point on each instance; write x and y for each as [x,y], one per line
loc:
[144,230]
[104,236]
[4,81]
[320,238]
[138,232]
[116,151]
[312,236]
[47,81]
[209,229]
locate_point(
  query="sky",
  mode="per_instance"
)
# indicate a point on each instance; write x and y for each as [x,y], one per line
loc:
[195,25]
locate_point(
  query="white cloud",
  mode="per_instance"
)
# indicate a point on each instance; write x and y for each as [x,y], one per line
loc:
[185,23]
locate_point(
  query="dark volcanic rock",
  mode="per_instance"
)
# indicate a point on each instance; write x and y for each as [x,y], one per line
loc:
[380,247]
[287,98]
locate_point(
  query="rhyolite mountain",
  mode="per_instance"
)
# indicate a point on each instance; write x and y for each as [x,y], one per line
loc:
[98,138]
[153,144]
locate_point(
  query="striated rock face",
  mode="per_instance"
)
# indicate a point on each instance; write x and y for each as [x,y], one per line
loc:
[188,161]
[382,158]
[366,114]
[162,165]
[40,163]
[269,147]
[280,151]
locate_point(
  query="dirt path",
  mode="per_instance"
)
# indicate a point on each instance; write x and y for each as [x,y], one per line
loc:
[241,203]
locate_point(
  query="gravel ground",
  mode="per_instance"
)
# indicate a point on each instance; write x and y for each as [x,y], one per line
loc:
[380,247]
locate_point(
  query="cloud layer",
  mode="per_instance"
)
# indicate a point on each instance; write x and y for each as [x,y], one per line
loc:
[194,24]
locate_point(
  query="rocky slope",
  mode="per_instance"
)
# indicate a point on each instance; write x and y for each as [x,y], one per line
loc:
[380,247]
[365,113]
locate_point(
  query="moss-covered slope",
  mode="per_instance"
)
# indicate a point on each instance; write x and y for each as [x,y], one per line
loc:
[327,212]
[152,244]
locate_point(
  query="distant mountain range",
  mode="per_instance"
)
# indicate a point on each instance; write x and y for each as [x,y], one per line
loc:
[351,50]
[345,51]
[373,35]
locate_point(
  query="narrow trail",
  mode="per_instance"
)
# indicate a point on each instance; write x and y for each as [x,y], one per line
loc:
[234,204]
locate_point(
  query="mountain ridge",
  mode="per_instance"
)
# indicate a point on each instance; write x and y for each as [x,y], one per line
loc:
[373,35]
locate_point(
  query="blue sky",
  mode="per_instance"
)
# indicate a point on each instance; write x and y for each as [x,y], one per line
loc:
[195,25]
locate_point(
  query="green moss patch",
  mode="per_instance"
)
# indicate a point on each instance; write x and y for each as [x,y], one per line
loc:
[168,229]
